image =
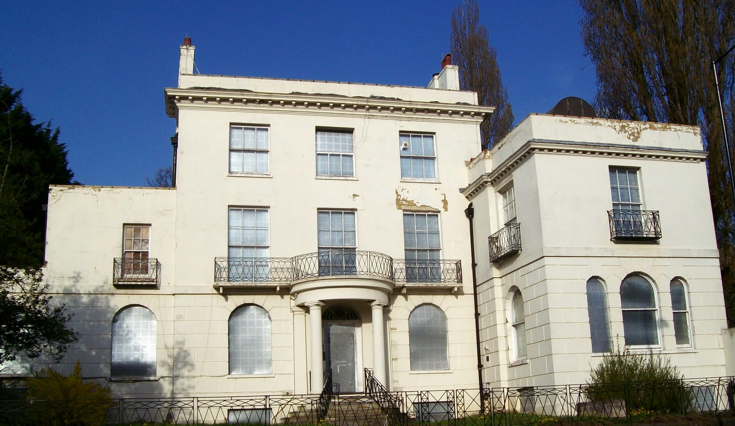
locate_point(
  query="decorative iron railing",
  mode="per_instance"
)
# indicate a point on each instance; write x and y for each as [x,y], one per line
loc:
[691,401]
[253,269]
[325,398]
[136,272]
[343,262]
[505,242]
[427,271]
[336,263]
[642,225]
[387,401]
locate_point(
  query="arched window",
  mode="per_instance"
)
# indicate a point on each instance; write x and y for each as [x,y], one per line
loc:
[250,341]
[427,336]
[519,325]
[597,310]
[133,343]
[640,314]
[681,312]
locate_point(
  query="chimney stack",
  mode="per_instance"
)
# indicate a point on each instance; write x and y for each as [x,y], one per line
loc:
[447,60]
[186,58]
[448,78]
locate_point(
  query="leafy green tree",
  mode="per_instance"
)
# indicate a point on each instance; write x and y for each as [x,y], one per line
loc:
[653,61]
[479,70]
[31,158]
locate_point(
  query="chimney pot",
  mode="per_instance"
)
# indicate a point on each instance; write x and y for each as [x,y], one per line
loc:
[447,60]
[187,41]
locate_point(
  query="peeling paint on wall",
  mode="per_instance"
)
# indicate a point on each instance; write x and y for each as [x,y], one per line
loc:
[405,203]
[632,130]
[445,203]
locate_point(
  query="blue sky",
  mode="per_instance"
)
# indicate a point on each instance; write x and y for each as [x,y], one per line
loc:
[98,69]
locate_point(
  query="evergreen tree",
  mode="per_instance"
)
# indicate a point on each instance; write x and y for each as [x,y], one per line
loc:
[31,158]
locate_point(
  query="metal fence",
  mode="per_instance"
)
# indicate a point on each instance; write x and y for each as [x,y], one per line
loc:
[505,242]
[702,401]
[634,225]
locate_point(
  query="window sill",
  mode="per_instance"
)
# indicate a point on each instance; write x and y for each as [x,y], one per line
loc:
[319,177]
[250,175]
[250,376]
[434,181]
[134,379]
[431,372]
[518,362]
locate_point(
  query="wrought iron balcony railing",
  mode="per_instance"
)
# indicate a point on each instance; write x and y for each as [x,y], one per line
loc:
[427,271]
[335,263]
[136,272]
[505,242]
[253,269]
[642,225]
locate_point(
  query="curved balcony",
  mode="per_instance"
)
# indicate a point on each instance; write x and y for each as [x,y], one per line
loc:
[348,263]
[505,243]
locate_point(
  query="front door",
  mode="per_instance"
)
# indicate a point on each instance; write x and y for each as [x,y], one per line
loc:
[339,356]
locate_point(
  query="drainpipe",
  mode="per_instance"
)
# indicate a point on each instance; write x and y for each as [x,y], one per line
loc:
[470,213]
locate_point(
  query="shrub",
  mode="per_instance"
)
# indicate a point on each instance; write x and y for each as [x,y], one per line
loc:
[66,400]
[646,383]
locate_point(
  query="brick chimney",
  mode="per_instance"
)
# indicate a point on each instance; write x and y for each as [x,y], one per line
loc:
[448,78]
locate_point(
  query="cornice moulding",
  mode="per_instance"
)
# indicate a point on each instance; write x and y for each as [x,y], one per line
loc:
[298,102]
[533,147]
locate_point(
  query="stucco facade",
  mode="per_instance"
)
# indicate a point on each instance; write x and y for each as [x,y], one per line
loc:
[320,226]
[561,169]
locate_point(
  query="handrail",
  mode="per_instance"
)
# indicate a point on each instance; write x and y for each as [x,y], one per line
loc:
[387,402]
[325,397]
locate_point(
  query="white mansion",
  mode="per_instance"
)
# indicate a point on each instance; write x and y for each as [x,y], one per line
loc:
[321,226]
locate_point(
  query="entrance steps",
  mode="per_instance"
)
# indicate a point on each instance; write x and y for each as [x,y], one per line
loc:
[344,410]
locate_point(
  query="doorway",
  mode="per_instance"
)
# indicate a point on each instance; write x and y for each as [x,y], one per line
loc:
[340,350]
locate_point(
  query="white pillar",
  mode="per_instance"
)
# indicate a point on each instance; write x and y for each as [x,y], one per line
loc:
[300,367]
[317,362]
[379,342]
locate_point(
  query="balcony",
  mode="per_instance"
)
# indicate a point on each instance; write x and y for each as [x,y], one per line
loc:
[505,243]
[284,271]
[136,272]
[641,225]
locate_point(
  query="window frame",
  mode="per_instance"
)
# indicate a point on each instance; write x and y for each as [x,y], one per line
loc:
[508,198]
[428,268]
[686,312]
[425,158]
[345,255]
[267,342]
[258,269]
[655,309]
[417,345]
[334,153]
[594,328]
[254,150]
[518,343]
[134,333]
[129,269]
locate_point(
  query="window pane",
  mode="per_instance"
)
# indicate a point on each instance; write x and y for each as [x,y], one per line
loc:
[636,292]
[250,341]
[427,331]
[406,168]
[133,343]
[262,139]
[518,314]
[236,138]
[520,330]
[428,146]
[678,298]
[640,327]
[681,328]
[597,310]
[249,138]
[322,167]
[347,166]
[334,165]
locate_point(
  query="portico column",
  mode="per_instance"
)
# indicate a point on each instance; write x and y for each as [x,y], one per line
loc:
[379,342]
[317,363]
